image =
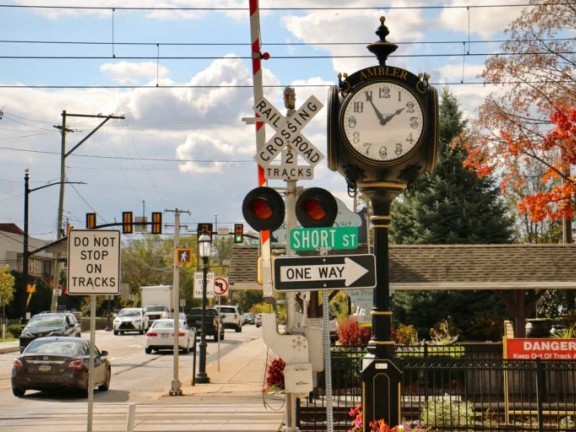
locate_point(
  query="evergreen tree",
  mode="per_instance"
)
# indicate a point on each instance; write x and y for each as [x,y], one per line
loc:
[451,205]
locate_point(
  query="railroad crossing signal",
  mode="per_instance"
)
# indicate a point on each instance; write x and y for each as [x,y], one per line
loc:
[264,209]
[316,207]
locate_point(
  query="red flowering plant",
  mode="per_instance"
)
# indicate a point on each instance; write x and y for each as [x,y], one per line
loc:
[275,376]
[351,333]
[381,425]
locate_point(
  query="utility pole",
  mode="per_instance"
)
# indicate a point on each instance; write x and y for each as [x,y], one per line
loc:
[176,387]
[60,232]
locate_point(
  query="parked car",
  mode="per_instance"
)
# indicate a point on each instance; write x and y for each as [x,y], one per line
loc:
[59,362]
[258,320]
[49,324]
[160,335]
[213,327]
[231,317]
[247,318]
[156,312]
[130,320]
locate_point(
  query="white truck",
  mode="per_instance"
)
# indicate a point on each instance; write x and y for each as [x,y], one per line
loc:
[157,301]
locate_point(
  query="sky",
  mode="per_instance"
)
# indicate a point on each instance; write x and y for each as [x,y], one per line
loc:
[180,73]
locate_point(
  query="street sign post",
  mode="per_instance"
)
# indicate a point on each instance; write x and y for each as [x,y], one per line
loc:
[324,272]
[335,238]
[93,262]
[198,285]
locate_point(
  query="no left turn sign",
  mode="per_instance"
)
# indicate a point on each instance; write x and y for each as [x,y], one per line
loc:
[220,286]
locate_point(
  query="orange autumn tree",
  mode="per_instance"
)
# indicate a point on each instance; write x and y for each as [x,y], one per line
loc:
[524,131]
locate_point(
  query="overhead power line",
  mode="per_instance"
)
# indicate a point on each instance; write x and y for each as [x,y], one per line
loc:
[145,159]
[280,8]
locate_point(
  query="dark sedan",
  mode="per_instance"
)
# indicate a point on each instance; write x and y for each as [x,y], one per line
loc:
[59,363]
[49,324]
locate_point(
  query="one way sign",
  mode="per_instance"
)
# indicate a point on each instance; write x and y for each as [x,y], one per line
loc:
[325,272]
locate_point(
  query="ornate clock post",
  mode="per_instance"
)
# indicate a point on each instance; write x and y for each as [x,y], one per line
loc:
[382,134]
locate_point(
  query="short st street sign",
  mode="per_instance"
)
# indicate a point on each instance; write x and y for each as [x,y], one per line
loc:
[324,272]
[335,238]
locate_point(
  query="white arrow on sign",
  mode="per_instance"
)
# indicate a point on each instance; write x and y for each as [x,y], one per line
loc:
[292,273]
[288,131]
[349,272]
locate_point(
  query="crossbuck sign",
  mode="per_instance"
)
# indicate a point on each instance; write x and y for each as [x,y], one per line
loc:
[288,131]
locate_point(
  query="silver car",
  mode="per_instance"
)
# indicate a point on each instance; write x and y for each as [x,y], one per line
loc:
[130,320]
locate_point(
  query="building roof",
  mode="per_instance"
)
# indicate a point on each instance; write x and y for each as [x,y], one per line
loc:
[11,228]
[416,267]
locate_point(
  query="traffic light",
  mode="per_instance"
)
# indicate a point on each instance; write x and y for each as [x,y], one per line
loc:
[316,207]
[238,233]
[263,208]
[90,220]
[127,227]
[204,228]
[156,223]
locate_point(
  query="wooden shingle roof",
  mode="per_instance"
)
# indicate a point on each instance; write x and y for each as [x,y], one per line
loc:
[414,267]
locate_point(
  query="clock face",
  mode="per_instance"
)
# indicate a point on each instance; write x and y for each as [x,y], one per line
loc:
[382,121]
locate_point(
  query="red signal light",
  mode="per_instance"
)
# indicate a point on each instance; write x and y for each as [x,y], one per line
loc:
[316,207]
[263,208]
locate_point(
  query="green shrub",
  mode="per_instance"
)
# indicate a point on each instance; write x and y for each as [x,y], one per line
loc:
[15,330]
[447,411]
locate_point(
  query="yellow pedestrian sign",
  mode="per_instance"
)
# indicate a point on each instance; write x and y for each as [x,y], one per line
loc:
[183,256]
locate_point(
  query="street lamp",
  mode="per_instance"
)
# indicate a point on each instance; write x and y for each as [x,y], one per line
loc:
[204,249]
[25,252]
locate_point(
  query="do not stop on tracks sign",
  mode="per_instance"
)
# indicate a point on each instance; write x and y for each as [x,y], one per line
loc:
[93,262]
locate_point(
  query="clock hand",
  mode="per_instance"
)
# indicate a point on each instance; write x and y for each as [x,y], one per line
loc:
[378,113]
[385,120]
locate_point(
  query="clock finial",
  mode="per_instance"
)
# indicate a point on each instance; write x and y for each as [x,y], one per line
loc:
[382,48]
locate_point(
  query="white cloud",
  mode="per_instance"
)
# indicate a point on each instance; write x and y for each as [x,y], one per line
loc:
[336,27]
[483,21]
[207,153]
[127,73]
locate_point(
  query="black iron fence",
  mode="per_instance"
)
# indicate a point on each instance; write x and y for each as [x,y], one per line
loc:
[456,388]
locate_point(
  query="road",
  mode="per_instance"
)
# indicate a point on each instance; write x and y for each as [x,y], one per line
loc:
[137,377]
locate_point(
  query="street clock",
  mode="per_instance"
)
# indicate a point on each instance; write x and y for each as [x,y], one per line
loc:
[382,134]
[383,123]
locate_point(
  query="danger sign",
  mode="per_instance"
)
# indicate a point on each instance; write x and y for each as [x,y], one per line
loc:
[93,262]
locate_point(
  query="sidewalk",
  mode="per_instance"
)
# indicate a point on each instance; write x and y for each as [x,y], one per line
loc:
[242,372]
[234,393]
[8,347]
